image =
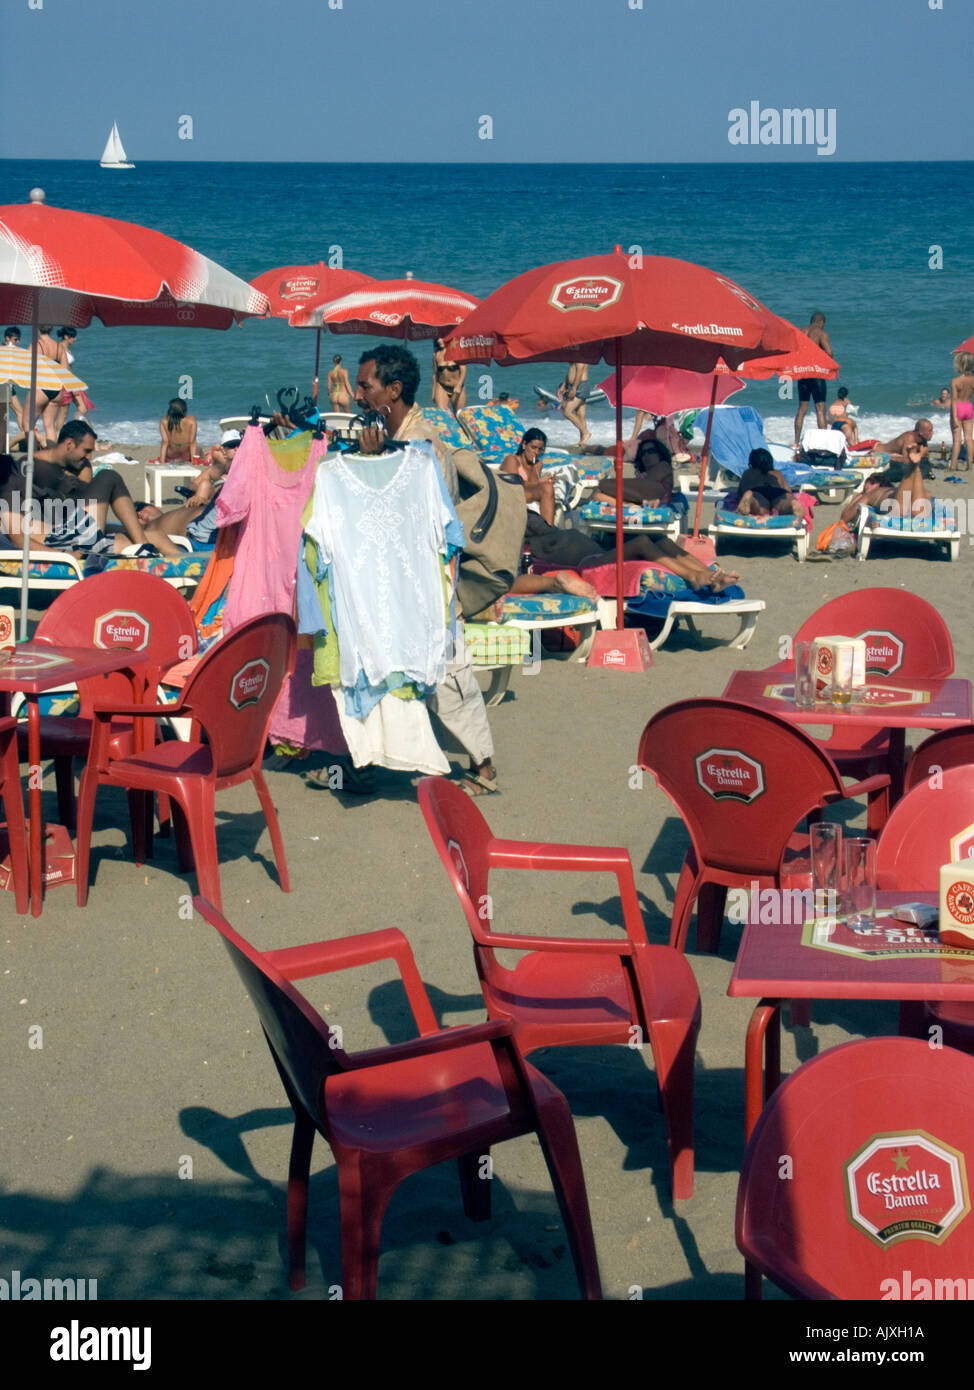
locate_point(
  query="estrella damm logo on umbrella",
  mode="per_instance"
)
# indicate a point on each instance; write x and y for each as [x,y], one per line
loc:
[586,292]
[727,774]
[906,1187]
[122,628]
[742,295]
[884,652]
[248,685]
[299,287]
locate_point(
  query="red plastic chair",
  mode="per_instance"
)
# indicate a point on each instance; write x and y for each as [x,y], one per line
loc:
[570,991]
[742,780]
[801,1226]
[927,653]
[915,842]
[230,698]
[392,1111]
[948,748]
[13,807]
[125,609]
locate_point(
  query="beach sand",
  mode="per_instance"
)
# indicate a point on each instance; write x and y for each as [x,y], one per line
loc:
[145,1144]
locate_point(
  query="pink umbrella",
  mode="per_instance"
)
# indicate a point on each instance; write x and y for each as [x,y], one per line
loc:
[663,390]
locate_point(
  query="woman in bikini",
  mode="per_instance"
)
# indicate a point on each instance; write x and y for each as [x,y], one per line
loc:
[449,390]
[962,408]
[58,353]
[339,387]
[526,463]
[178,433]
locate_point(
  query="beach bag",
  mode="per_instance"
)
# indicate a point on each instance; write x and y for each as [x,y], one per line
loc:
[493,513]
[837,539]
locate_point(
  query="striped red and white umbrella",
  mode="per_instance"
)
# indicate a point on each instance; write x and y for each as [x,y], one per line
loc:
[404,308]
[293,288]
[59,266]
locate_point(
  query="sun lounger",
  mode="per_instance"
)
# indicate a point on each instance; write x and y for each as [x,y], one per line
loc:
[61,572]
[938,529]
[500,647]
[495,431]
[770,528]
[649,521]
[739,429]
[665,598]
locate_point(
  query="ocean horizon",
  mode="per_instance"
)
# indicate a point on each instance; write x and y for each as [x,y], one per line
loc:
[883,250]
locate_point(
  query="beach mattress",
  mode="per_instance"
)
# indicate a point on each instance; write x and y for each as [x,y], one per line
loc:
[636,516]
[722,517]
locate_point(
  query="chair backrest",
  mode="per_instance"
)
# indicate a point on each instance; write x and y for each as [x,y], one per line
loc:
[462,838]
[905,636]
[300,1041]
[235,687]
[930,826]
[737,429]
[948,748]
[446,426]
[854,1180]
[127,609]
[741,779]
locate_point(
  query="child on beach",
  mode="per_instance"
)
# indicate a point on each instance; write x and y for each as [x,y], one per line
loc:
[962,408]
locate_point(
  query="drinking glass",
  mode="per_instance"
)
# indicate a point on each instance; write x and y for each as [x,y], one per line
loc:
[804,675]
[859,883]
[825,848]
[842,681]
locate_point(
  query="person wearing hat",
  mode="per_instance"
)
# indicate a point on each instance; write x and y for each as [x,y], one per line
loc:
[196,518]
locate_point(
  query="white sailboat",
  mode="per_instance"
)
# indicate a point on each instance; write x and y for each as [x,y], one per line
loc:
[114,156]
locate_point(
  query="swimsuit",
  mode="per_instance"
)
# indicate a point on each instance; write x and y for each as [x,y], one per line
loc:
[964,410]
[812,389]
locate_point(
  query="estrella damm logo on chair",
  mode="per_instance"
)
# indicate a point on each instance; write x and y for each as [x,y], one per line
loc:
[122,628]
[248,685]
[727,774]
[906,1186]
[884,652]
[962,844]
[586,292]
[456,854]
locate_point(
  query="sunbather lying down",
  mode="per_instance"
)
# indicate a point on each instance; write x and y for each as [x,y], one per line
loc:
[903,483]
[551,546]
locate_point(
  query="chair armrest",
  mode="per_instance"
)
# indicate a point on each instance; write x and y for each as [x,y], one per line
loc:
[133,711]
[582,945]
[611,859]
[871,784]
[322,957]
[443,1040]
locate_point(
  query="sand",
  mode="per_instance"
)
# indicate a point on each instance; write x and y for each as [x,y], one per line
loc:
[145,1144]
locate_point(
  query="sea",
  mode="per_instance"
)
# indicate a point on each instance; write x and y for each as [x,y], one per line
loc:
[885,251]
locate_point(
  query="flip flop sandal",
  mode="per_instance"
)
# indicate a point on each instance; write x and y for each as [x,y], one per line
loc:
[475,785]
[357,781]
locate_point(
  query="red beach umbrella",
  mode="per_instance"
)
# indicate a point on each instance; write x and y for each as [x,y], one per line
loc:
[291,288]
[70,267]
[664,390]
[650,310]
[804,359]
[966,346]
[404,308]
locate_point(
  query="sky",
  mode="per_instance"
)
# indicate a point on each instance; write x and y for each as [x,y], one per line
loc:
[588,81]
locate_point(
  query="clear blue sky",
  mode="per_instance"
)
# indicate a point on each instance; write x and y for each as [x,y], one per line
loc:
[408,80]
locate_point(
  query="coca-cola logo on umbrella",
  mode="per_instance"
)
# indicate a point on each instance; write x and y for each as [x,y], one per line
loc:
[906,1187]
[122,628]
[727,774]
[248,685]
[742,295]
[390,320]
[884,652]
[586,292]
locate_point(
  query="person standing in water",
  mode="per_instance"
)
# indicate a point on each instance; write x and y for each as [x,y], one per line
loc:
[962,408]
[814,388]
[449,378]
[339,386]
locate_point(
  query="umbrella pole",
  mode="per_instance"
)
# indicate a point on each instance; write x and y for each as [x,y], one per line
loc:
[620,572]
[314,393]
[705,459]
[29,474]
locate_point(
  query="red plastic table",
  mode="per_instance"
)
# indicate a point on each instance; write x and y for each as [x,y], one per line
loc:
[774,963]
[887,704]
[800,960]
[34,667]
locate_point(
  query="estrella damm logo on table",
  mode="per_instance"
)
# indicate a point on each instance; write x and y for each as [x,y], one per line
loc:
[586,292]
[906,1186]
[122,627]
[248,685]
[884,652]
[727,774]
